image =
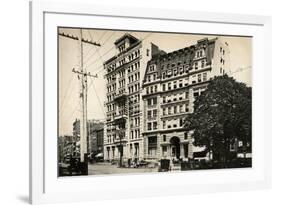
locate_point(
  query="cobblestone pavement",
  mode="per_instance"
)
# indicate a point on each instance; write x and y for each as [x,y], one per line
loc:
[107,168]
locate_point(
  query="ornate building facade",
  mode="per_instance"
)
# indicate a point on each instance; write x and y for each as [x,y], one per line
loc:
[124,117]
[172,82]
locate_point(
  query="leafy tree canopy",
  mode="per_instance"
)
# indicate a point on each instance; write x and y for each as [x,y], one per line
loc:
[222,113]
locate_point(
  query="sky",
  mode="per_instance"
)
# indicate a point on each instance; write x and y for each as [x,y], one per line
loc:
[94,56]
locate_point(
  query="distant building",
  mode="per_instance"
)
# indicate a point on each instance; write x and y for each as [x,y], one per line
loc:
[95,135]
[76,129]
[172,82]
[66,148]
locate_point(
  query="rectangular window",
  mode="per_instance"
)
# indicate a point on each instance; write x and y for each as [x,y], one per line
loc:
[169,110]
[202,64]
[152,151]
[169,86]
[164,124]
[181,108]
[185,136]
[181,122]
[204,76]
[175,109]
[164,111]
[180,83]
[199,78]
[164,87]
[155,125]
[149,113]
[164,99]
[154,113]
[149,102]
[175,84]
[149,126]
[186,108]
[164,138]
[196,65]
[154,101]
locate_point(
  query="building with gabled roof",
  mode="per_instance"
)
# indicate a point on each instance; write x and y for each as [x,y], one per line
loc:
[171,83]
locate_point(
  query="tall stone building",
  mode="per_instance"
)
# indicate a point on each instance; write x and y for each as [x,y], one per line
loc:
[124,75]
[172,82]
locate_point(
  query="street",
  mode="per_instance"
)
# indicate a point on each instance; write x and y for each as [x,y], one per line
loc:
[107,168]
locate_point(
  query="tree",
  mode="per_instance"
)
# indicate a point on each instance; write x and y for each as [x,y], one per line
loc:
[222,115]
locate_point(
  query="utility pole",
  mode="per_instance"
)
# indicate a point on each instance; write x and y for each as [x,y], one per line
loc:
[83,76]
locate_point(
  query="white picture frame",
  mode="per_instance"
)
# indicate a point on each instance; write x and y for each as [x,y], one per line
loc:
[46,187]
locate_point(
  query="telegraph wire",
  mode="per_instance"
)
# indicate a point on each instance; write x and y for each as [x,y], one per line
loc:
[88,59]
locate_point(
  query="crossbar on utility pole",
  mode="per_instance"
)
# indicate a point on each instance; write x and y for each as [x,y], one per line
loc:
[77,38]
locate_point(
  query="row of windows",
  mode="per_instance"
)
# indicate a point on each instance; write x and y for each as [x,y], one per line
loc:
[133,55]
[135,122]
[134,67]
[196,64]
[180,70]
[135,109]
[174,72]
[111,138]
[152,89]
[134,88]
[169,124]
[166,124]
[134,99]
[177,109]
[111,97]
[122,83]
[172,65]
[111,107]
[201,77]
[152,126]
[111,88]
[121,73]
[135,134]
[111,78]
[134,77]
[175,97]
[122,47]
[151,101]
[199,54]
[151,78]
[129,57]
[152,113]
[175,84]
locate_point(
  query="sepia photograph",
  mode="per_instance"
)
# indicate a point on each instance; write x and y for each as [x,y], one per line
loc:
[147,101]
